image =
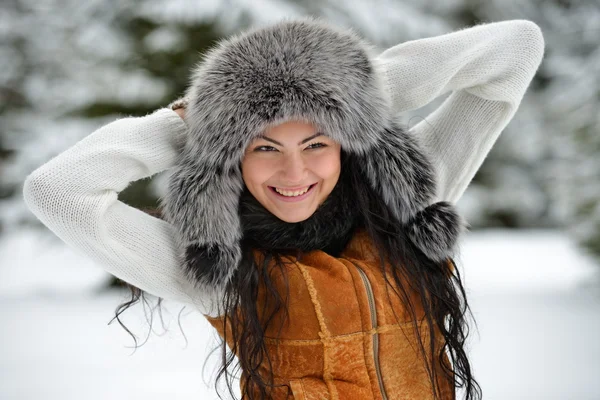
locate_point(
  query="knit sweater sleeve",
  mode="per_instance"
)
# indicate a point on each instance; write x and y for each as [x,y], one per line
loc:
[487,68]
[75,196]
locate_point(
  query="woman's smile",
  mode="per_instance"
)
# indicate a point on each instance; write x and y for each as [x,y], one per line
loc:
[289,196]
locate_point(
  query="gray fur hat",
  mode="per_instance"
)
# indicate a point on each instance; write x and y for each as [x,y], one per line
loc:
[300,69]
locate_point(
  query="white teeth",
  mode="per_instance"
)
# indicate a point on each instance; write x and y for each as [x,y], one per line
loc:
[290,193]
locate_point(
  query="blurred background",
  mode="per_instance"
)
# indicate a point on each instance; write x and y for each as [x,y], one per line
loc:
[531,262]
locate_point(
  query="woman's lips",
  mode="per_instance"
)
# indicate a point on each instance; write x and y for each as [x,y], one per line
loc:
[292,199]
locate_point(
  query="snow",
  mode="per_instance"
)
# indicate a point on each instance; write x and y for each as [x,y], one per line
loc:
[534,295]
[527,260]
[533,292]
[60,347]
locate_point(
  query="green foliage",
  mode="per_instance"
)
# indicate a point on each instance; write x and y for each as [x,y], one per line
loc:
[171,66]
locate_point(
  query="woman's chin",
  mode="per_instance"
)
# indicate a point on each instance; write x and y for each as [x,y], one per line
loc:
[292,216]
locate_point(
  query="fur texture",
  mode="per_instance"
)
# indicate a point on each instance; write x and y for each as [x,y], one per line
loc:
[436,229]
[301,69]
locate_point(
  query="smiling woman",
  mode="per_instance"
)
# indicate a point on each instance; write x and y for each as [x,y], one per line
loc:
[359,299]
[304,191]
[293,174]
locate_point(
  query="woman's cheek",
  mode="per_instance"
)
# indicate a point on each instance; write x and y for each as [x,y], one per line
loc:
[259,169]
[327,162]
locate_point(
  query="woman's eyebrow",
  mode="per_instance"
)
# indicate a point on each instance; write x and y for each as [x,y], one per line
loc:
[302,142]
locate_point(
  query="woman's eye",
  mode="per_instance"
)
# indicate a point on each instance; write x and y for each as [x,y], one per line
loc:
[318,143]
[271,148]
[259,148]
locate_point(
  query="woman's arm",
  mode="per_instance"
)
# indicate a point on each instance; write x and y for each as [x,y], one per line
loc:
[75,196]
[488,67]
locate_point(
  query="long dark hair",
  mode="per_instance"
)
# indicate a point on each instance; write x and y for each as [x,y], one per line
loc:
[438,286]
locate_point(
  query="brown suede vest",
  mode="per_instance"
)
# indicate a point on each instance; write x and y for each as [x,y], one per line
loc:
[346,337]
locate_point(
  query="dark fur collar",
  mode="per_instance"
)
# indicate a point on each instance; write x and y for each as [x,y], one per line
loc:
[329,229]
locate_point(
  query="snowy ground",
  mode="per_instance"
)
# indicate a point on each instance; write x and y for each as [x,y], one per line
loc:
[534,296]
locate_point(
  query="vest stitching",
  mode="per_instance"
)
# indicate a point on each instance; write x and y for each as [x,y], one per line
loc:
[343,337]
[325,335]
[303,388]
[363,333]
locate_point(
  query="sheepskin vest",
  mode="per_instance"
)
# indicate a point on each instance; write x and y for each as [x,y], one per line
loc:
[345,337]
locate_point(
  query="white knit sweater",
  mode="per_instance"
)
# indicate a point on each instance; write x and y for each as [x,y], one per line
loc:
[487,67]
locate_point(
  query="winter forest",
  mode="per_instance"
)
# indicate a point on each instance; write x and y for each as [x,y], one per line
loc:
[531,259]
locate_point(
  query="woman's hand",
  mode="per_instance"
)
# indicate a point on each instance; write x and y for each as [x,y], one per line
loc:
[180,112]
[179,106]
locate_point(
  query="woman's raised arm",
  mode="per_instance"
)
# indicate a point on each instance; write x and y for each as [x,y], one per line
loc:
[75,196]
[487,67]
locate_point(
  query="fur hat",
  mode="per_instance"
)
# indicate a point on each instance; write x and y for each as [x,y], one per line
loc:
[300,69]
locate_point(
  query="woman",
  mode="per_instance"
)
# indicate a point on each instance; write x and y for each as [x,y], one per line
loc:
[350,291]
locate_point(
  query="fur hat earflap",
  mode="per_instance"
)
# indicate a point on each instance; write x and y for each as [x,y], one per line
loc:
[301,69]
[436,229]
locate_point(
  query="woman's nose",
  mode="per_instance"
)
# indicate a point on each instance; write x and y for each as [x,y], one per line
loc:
[294,167]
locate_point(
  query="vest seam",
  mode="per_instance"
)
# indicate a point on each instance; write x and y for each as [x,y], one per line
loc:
[345,336]
[303,388]
[363,333]
[324,334]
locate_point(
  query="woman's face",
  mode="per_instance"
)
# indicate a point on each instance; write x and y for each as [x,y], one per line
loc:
[292,157]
